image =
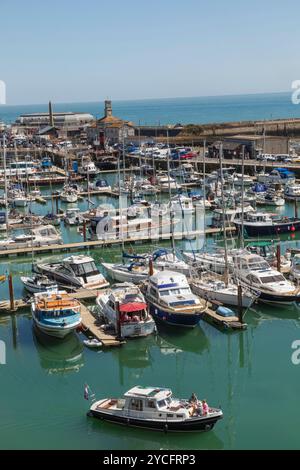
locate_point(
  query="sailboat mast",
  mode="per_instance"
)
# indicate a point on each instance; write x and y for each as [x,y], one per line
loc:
[5,183]
[226,270]
[204,188]
[243,189]
[169,185]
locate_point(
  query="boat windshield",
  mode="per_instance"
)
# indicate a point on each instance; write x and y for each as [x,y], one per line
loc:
[163,403]
[183,290]
[85,268]
[257,263]
[271,279]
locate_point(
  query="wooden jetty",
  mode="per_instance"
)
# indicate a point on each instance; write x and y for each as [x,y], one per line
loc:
[82,245]
[91,324]
[232,322]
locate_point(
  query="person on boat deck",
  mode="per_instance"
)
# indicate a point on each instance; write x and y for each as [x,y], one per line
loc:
[126,317]
[193,399]
[205,407]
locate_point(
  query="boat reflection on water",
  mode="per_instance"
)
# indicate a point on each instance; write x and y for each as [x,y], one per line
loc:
[172,341]
[263,312]
[58,357]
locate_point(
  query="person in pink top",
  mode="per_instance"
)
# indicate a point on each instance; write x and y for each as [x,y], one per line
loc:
[205,408]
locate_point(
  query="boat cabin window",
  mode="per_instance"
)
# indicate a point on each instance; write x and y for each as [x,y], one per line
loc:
[183,290]
[252,279]
[152,292]
[276,278]
[151,404]
[136,404]
[85,268]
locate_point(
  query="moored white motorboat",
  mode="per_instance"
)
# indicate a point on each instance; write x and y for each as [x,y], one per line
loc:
[78,271]
[124,307]
[38,283]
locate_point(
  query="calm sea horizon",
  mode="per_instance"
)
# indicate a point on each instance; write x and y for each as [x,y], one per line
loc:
[197,110]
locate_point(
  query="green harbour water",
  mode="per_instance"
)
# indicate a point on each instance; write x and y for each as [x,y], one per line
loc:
[249,373]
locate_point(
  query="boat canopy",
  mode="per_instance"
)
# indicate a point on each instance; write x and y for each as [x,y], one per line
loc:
[133,307]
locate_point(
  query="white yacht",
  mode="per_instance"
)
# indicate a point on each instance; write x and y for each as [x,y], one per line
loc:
[166,183]
[77,271]
[133,271]
[87,167]
[295,269]
[124,307]
[230,215]
[292,192]
[253,271]
[277,176]
[68,194]
[37,236]
[73,216]
[209,261]
[154,408]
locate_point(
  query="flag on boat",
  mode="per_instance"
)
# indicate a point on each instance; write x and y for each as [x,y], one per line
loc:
[86,392]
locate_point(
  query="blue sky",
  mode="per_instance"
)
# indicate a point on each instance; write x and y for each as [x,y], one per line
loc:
[86,51]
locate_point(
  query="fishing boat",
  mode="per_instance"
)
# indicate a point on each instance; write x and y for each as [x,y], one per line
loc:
[253,271]
[38,283]
[79,271]
[264,223]
[68,194]
[124,307]
[155,408]
[37,236]
[172,301]
[56,313]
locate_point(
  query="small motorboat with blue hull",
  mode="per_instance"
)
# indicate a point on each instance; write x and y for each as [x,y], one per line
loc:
[56,313]
[172,301]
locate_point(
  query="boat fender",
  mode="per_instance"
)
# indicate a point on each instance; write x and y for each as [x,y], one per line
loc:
[166,428]
[128,421]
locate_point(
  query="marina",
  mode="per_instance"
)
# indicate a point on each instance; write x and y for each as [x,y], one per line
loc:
[149,249]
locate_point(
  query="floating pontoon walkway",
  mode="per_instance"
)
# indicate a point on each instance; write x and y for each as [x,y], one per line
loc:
[82,245]
[90,323]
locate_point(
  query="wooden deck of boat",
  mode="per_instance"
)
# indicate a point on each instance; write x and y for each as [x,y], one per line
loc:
[224,322]
[89,323]
[75,246]
[19,304]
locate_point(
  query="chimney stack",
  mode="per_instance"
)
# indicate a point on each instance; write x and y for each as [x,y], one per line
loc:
[51,119]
